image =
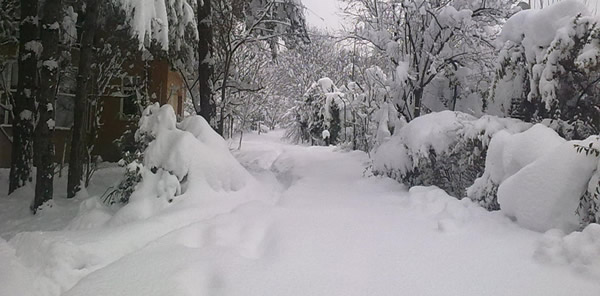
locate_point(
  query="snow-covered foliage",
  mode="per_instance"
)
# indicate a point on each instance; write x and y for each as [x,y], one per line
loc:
[507,154]
[318,112]
[447,149]
[159,20]
[546,193]
[540,179]
[174,158]
[548,67]
[276,19]
[433,64]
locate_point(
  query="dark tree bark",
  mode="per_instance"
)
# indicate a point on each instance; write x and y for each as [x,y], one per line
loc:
[24,107]
[418,96]
[82,104]
[43,144]
[206,67]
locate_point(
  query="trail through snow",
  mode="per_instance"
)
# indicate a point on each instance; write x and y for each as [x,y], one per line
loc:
[312,225]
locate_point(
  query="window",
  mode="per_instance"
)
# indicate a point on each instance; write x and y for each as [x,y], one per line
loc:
[8,85]
[129,84]
[129,107]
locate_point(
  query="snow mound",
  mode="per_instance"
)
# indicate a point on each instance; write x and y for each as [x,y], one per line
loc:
[15,279]
[546,193]
[580,250]
[92,214]
[506,155]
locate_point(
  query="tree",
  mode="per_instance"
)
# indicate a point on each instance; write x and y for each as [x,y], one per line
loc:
[81,111]
[240,23]
[9,25]
[48,87]
[206,61]
[551,78]
[429,41]
[24,105]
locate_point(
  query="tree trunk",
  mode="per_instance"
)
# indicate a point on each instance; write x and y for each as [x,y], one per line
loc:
[418,96]
[23,124]
[82,104]
[44,145]
[206,67]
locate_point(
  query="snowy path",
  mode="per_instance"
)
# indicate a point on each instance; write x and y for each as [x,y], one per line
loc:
[316,226]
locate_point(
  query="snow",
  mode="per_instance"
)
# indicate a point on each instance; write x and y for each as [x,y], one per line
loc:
[579,250]
[437,132]
[538,27]
[149,20]
[508,153]
[179,163]
[545,194]
[307,222]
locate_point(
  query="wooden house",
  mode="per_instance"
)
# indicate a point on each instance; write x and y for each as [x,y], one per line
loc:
[114,113]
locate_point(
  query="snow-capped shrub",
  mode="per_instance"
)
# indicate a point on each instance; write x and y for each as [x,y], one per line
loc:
[548,192]
[133,158]
[319,110]
[177,158]
[506,155]
[589,204]
[548,68]
[446,149]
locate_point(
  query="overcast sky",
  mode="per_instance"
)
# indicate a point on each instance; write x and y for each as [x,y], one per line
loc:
[323,13]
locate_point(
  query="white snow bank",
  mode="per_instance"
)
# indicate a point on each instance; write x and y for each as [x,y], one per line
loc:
[545,194]
[15,279]
[580,250]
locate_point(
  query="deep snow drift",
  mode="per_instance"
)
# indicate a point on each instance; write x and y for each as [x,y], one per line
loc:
[306,223]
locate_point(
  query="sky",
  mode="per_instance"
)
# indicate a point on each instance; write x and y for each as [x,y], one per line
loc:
[323,14]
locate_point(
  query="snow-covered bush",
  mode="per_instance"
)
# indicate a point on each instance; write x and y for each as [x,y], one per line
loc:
[546,193]
[540,179]
[548,68]
[177,158]
[446,149]
[133,159]
[589,204]
[319,110]
[506,155]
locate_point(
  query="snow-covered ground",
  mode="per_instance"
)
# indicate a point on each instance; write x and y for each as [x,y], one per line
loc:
[311,224]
